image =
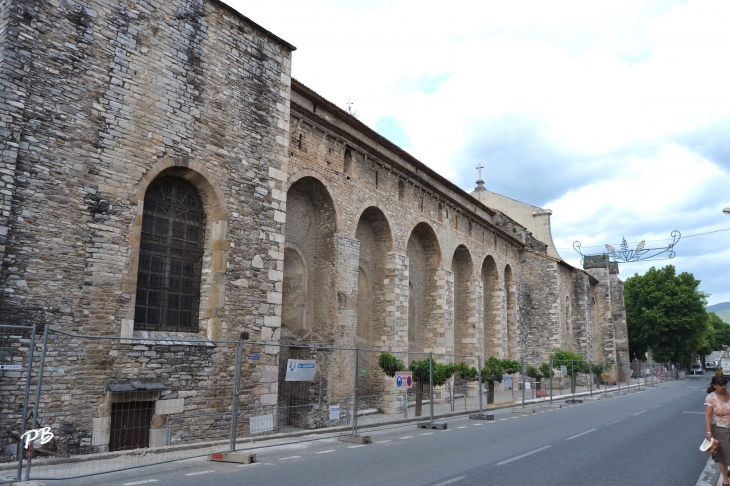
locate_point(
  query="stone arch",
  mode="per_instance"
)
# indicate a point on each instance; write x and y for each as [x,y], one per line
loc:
[310,174]
[215,246]
[510,291]
[464,306]
[310,228]
[425,268]
[374,234]
[492,309]
[370,206]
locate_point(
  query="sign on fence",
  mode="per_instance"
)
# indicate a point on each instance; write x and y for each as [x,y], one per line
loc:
[334,412]
[403,379]
[506,382]
[563,369]
[300,370]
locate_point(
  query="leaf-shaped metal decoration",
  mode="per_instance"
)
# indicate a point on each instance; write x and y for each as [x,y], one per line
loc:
[639,254]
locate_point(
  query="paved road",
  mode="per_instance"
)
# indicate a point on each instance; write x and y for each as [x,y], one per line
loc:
[646,438]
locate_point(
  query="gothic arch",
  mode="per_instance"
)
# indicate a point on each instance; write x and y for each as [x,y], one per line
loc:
[215,245]
[310,228]
[464,326]
[425,266]
[374,234]
[510,289]
[492,309]
[326,187]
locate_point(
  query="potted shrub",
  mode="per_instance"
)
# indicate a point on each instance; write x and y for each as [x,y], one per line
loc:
[420,369]
[538,374]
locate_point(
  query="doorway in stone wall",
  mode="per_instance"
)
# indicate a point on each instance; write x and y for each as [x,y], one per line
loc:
[130,425]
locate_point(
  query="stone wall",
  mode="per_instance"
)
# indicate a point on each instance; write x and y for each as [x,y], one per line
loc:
[318,231]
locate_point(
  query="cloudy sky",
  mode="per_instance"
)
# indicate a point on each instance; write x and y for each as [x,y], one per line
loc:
[615,115]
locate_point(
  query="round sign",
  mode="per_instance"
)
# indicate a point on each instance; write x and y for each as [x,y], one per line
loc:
[409,381]
[399,382]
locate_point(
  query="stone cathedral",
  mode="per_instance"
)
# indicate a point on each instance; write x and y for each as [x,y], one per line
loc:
[163,176]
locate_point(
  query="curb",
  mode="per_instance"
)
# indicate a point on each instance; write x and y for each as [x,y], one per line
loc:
[322,433]
[710,475]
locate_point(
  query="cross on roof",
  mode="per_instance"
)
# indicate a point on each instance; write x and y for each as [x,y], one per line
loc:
[479,168]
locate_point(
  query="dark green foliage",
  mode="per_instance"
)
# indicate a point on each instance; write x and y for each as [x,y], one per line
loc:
[545,369]
[574,363]
[465,372]
[665,312]
[539,372]
[420,369]
[390,364]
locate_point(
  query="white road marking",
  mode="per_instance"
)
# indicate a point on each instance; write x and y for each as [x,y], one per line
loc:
[325,452]
[523,455]
[476,425]
[199,472]
[582,433]
[638,413]
[406,437]
[287,458]
[450,481]
[382,441]
[428,433]
[141,482]
[461,427]
[656,406]
[356,446]
[617,421]
[252,464]
[504,420]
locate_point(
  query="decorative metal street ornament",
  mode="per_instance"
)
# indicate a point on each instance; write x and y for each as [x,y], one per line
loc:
[625,255]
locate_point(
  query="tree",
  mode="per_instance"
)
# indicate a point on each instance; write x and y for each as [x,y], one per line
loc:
[538,373]
[716,336]
[665,312]
[494,370]
[421,371]
[721,332]
[574,364]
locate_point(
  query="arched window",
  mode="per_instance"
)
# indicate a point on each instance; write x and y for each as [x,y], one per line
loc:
[170,257]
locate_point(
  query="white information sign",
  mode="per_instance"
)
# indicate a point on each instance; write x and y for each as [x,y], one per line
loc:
[563,369]
[507,382]
[527,385]
[403,379]
[300,370]
[334,412]
[261,423]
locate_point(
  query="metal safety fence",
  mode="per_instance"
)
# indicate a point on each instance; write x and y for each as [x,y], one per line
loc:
[97,404]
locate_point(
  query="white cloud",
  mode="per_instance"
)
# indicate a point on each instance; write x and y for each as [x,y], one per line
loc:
[613,114]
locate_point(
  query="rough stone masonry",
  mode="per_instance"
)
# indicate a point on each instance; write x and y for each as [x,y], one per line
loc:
[316,229]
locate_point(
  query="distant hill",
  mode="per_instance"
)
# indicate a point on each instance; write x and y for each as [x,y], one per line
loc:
[716,308]
[724,315]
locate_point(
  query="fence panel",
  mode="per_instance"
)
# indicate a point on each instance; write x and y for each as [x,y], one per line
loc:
[104,397]
[306,389]
[17,345]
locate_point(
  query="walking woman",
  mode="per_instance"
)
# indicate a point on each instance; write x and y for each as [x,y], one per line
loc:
[717,422]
